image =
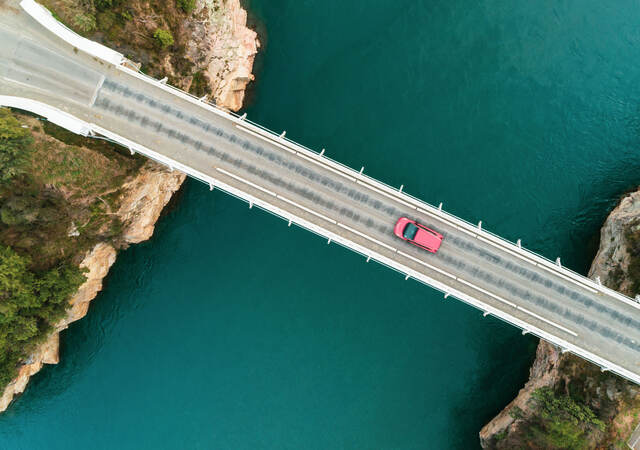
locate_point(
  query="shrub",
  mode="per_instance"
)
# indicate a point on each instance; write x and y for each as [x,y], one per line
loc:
[16,146]
[30,304]
[163,37]
[106,20]
[187,5]
[86,23]
[564,422]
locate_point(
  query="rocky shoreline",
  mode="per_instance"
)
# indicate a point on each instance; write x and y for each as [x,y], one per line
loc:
[229,48]
[615,400]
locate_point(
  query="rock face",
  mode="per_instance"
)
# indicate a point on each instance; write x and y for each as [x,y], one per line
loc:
[144,198]
[605,392]
[233,47]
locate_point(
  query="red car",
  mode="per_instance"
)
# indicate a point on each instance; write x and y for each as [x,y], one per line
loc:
[419,235]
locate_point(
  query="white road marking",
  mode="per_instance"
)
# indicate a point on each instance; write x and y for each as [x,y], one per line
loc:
[386,194]
[555,272]
[427,265]
[324,166]
[264,138]
[95,92]
[304,208]
[484,291]
[359,233]
[246,181]
[547,321]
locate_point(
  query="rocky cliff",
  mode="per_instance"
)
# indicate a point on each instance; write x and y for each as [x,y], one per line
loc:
[228,47]
[615,401]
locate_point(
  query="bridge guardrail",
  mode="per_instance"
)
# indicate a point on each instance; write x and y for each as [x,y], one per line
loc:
[98,50]
[45,18]
[49,112]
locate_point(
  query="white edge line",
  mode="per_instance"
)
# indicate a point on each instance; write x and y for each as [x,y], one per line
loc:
[304,208]
[547,321]
[95,92]
[45,18]
[324,166]
[381,192]
[427,265]
[47,111]
[366,237]
[484,291]
[253,185]
[568,279]
[265,139]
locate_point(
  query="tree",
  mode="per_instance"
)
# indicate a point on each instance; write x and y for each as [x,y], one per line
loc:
[187,5]
[16,146]
[30,305]
[163,37]
[563,422]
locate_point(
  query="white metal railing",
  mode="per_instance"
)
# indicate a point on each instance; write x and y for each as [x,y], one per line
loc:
[78,126]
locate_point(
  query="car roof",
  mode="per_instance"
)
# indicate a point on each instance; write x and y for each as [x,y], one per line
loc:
[427,239]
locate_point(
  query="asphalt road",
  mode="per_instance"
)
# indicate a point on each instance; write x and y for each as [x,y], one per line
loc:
[37,65]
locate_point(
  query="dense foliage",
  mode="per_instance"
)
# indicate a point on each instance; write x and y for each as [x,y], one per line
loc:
[15,146]
[163,37]
[562,423]
[187,5]
[30,304]
[32,300]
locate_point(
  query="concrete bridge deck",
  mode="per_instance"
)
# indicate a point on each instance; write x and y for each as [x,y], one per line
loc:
[44,70]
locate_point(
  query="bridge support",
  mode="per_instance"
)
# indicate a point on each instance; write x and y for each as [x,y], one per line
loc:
[440,207]
[480,225]
[164,80]
[283,133]
[244,116]
[406,278]
[250,205]
[604,369]
[322,152]
[564,350]
[519,243]
[211,186]
[132,151]
[401,187]
[598,280]
[361,170]
[204,98]
[289,223]
[446,294]
[524,332]
[329,241]
[368,258]
[558,262]
[485,314]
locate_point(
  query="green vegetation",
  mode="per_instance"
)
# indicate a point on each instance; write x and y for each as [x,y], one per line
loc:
[30,305]
[58,194]
[85,23]
[143,31]
[187,5]
[199,84]
[16,146]
[562,423]
[632,236]
[163,37]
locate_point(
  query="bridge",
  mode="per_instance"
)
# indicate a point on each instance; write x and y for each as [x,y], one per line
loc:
[92,90]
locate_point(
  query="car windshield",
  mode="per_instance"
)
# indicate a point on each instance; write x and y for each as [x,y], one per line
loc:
[410,231]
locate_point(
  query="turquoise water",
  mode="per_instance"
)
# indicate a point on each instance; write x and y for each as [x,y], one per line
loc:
[522,114]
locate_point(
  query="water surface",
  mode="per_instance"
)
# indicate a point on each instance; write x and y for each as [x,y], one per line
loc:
[521,114]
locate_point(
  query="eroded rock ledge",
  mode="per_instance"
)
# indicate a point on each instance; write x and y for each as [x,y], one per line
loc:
[616,400]
[230,48]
